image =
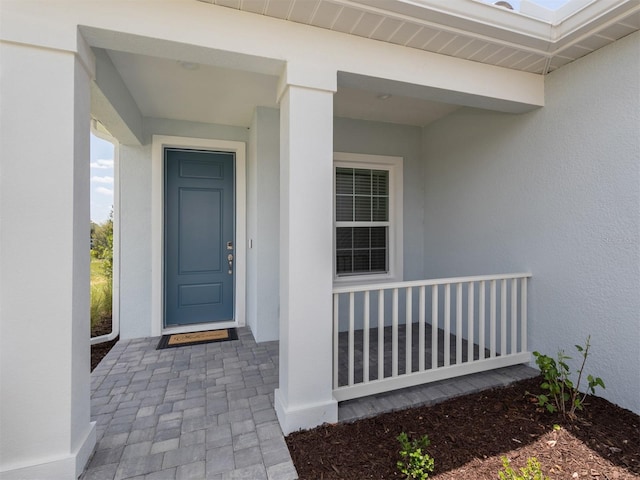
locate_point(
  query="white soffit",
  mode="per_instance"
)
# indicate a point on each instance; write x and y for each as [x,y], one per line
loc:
[533,40]
[164,88]
[361,104]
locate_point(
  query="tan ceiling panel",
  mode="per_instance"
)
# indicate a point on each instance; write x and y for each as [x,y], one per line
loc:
[367,24]
[557,62]
[456,45]
[617,30]
[422,37]
[499,55]
[229,3]
[632,21]
[594,42]
[471,49]
[254,6]
[514,60]
[485,51]
[347,19]
[278,8]
[386,29]
[440,41]
[576,51]
[303,10]
[406,32]
[521,59]
[537,66]
[326,14]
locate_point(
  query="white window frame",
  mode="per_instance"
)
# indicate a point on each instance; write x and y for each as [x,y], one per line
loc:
[395,248]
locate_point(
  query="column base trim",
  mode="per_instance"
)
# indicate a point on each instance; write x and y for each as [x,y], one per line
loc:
[64,468]
[305,416]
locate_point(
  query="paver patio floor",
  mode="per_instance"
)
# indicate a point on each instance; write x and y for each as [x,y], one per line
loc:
[206,411]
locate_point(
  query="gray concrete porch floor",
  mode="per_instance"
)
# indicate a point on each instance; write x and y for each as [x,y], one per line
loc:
[206,411]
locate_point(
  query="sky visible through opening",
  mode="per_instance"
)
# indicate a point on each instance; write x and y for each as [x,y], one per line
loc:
[101,155]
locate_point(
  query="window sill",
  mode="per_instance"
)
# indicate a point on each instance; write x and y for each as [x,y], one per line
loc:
[365,280]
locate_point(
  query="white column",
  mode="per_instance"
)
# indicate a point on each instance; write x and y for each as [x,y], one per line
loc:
[304,398]
[45,428]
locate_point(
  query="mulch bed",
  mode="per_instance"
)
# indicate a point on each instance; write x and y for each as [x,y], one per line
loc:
[101,349]
[469,435]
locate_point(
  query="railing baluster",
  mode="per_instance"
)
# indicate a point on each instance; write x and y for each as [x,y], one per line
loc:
[470,322]
[447,324]
[408,326]
[365,340]
[481,314]
[351,337]
[459,333]
[503,317]
[336,329]
[380,334]
[492,318]
[514,316]
[523,315]
[421,315]
[434,327]
[394,333]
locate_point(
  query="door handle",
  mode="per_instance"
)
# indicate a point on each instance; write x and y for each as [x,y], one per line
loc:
[230,260]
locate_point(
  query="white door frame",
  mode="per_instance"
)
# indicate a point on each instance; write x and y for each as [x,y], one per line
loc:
[159,143]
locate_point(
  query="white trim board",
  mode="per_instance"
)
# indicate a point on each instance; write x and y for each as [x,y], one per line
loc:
[159,143]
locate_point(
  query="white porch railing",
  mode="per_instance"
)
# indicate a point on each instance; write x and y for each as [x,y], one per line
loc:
[397,335]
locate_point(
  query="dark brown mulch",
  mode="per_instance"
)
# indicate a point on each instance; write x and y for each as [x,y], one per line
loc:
[98,351]
[469,435]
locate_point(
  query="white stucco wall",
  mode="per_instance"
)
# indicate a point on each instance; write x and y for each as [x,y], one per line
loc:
[263,214]
[555,192]
[135,218]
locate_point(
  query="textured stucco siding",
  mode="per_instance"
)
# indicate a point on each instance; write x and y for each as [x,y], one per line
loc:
[555,192]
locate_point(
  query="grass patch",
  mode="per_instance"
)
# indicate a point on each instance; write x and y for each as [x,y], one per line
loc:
[101,306]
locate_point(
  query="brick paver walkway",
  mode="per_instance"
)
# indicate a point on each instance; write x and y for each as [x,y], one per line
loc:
[206,411]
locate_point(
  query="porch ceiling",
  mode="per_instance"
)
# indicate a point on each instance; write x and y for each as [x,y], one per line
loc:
[467,29]
[166,88]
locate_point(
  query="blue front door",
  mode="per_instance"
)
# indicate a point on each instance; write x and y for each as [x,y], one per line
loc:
[199,237]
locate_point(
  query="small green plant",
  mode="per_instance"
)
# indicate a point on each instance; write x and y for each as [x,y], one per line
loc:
[533,471]
[562,394]
[414,461]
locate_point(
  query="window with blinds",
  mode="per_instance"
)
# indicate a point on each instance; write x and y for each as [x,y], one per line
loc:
[362,220]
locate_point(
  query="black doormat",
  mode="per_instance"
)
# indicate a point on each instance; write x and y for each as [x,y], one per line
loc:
[197,338]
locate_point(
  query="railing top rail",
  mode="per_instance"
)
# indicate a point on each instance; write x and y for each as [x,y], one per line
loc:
[426,283]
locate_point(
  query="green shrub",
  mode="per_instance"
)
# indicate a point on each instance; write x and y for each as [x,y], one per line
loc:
[102,244]
[563,395]
[533,471]
[414,461]
[101,302]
